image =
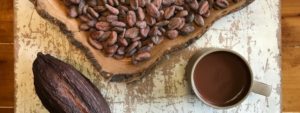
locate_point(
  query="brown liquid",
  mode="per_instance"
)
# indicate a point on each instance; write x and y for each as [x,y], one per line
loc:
[222,78]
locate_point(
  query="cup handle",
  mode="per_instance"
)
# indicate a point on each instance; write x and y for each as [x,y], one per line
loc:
[261,88]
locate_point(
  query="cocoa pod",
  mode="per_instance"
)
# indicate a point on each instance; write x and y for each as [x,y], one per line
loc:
[63,89]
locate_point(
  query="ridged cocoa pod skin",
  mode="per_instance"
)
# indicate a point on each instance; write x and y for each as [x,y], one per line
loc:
[63,89]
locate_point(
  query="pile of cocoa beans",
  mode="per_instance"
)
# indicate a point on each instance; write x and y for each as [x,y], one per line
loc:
[130,28]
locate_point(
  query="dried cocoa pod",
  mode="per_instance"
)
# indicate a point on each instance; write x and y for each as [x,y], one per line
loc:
[63,89]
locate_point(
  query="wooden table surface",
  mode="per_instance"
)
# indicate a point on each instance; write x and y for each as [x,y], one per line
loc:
[166,88]
[290,56]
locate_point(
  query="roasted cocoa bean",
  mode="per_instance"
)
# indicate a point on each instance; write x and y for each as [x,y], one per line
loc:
[132,32]
[169,12]
[112,39]
[222,3]
[199,20]
[131,18]
[103,26]
[118,24]
[144,32]
[203,7]
[172,34]
[92,12]
[94,43]
[112,9]
[174,23]
[152,10]
[187,28]
[141,14]
[141,24]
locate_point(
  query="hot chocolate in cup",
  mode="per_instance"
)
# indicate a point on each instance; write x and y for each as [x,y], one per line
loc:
[222,78]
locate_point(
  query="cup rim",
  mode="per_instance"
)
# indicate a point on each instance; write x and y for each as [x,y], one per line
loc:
[210,51]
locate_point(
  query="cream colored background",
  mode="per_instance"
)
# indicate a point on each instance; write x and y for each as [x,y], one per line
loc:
[253,32]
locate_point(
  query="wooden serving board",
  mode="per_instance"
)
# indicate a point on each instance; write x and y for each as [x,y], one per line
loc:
[124,70]
[253,32]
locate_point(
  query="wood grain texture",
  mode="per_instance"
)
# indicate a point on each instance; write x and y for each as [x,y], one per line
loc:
[6,75]
[291,31]
[290,8]
[6,21]
[6,110]
[166,88]
[291,78]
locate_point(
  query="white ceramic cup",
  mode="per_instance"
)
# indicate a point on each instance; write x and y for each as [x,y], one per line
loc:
[255,86]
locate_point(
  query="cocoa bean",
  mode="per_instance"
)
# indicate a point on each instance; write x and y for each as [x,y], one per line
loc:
[103,26]
[132,32]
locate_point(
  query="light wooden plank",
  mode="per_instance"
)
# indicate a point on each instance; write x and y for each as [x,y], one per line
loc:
[6,32]
[6,110]
[290,8]
[291,78]
[6,75]
[291,31]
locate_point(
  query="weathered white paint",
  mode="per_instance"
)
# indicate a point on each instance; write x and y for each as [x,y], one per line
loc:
[254,32]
